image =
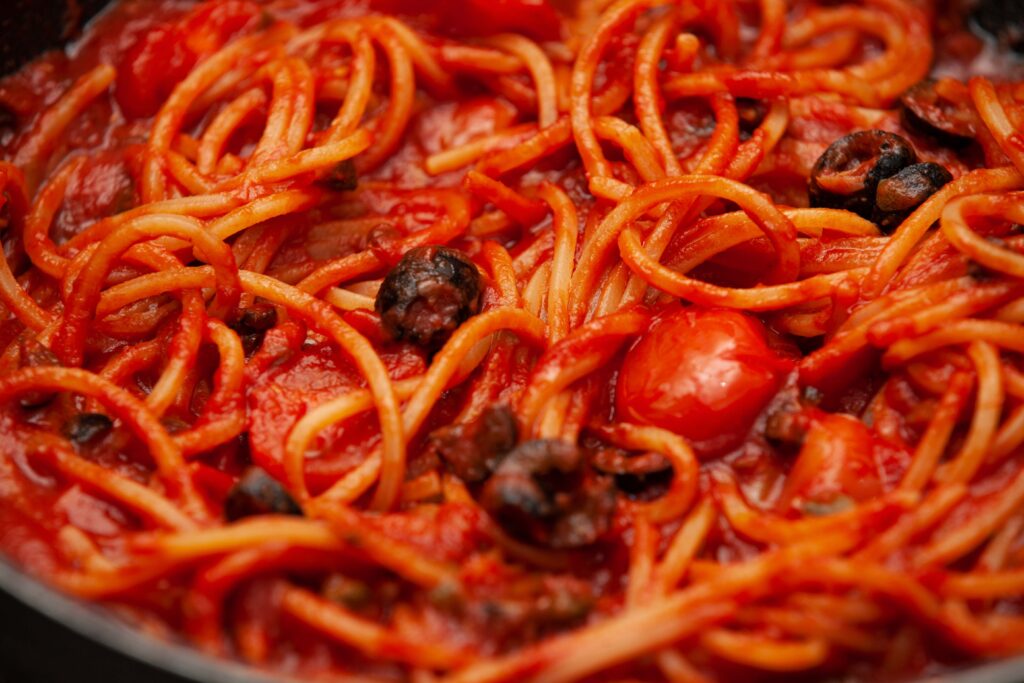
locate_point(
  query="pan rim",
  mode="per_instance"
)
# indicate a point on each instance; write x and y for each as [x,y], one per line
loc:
[95,624]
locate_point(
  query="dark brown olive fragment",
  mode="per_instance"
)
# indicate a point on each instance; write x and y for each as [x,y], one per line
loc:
[251,342]
[847,174]
[644,487]
[473,450]
[643,476]
[926,108]
[257,493]
[750,113]
[980,273]
[253,323]
[86,428]
[898,195]
[427,295]
[542,493]
[1002,19]
[259,317]
[341,178]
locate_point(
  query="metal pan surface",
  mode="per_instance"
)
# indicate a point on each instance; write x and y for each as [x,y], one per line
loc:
[46,637]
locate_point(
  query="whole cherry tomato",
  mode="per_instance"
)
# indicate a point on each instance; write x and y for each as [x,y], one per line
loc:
[704,374]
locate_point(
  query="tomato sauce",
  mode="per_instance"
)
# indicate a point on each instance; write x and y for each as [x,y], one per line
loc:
[722,436]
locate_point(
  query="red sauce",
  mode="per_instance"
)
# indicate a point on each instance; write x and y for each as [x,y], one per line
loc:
[746,440]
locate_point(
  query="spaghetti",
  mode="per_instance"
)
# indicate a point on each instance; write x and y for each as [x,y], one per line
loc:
[524,340]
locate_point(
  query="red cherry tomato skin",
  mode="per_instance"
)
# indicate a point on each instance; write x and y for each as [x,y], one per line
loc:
[149,71]
[212,24]
[163,57]
[704,374]
[838,458]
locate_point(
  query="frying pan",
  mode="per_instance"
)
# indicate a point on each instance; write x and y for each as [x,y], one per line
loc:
[46,637]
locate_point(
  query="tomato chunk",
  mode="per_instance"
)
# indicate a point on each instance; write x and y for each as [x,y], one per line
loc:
[841,461]
[704,374]
[149,71]
[450,531]
[282,393]
[164,56]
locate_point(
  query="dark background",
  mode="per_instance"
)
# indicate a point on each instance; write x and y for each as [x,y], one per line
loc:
[28,27]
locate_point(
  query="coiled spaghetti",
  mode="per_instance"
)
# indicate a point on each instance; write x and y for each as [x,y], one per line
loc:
[724,379]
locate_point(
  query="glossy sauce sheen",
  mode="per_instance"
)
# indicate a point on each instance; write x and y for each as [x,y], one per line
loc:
[737,448]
